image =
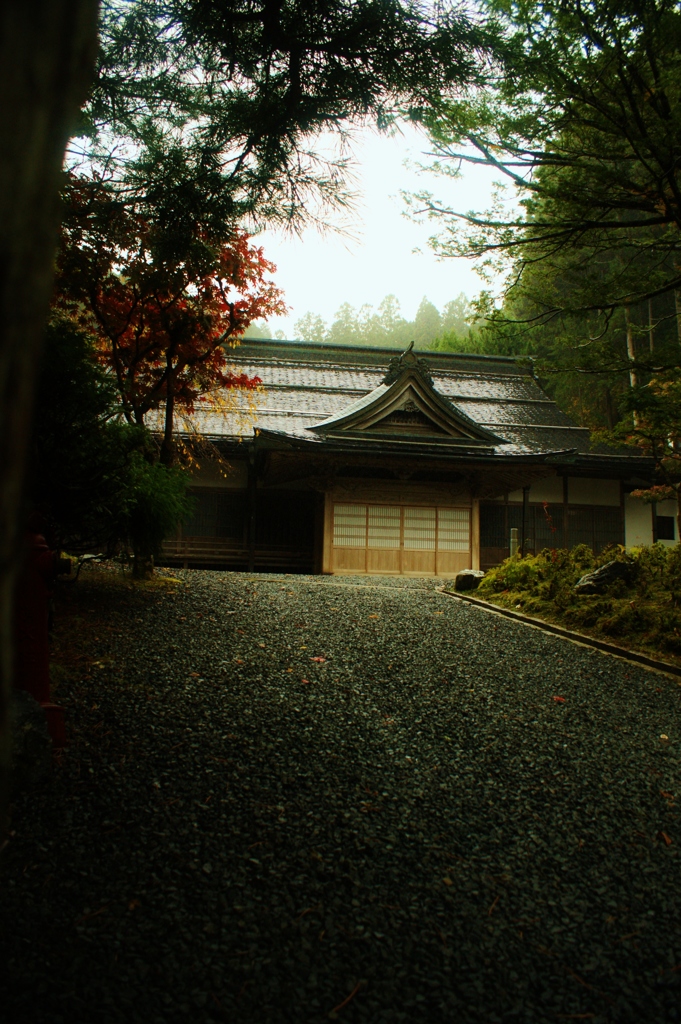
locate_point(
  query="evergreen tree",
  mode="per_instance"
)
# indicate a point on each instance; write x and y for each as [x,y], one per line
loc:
[211,110]
[427,324]
[584,121]
[311,327]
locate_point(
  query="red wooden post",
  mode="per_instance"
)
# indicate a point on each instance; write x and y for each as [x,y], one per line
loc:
[32,659]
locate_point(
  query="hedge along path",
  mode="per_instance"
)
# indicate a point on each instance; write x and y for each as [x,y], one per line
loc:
[654,664]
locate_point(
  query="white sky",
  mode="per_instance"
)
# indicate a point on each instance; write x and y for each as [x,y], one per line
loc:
[319,272]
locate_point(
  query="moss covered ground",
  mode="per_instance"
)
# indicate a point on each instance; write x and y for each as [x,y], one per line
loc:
[644,615]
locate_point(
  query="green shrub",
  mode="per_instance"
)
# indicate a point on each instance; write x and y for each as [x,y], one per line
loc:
[155,502]
[94,478]
[645,612]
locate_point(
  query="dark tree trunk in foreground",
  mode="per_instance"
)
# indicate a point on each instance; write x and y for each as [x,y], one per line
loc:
[47,51]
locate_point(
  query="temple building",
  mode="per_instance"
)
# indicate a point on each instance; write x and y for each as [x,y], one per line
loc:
[355,460]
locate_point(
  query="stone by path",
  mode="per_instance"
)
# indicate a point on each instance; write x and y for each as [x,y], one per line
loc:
[295,799]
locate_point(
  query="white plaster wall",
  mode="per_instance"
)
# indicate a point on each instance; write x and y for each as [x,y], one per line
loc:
[549,489]
[667,508]
[587,491]
[638,522]
[208,474]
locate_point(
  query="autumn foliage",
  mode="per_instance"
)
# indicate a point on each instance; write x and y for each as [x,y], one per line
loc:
[163,311]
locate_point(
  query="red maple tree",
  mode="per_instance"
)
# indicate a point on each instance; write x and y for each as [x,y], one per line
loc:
[163,310]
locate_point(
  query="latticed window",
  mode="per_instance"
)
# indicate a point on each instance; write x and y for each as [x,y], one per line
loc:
[546,527]
[453,529]
[419,529]
[383,526]
[412,527]
[350,526]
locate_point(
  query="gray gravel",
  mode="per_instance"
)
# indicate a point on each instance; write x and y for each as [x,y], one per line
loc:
[239,832]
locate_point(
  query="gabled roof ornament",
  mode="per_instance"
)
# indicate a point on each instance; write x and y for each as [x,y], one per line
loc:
[406,407]
[407,360]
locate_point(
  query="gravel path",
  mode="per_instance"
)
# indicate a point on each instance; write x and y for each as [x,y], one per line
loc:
[289,799]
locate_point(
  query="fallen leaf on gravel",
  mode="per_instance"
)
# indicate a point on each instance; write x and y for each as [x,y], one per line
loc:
[333,1013]
[306,681]
[664,737]
[309,910]
[317,659]
[195,675]
[95,913]
[577,978]
[559,700]
[373,616]
[665,838]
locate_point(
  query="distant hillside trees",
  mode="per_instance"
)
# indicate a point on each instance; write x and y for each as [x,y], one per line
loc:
[386,327]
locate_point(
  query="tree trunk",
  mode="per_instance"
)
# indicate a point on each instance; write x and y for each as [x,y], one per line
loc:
[167,453]
[142,566]
[631,347]
[47,51]
[651,329]
[631,353]
[610,409]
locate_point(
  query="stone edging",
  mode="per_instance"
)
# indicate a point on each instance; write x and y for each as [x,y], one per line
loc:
[568,634]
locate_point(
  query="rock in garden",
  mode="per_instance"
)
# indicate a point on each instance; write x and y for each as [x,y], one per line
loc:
[468,579]
[598,581]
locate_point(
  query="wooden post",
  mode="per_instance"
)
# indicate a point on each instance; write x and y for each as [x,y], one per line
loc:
[252,494]
[525,522]
[475,533]
[566,539]
[327,549]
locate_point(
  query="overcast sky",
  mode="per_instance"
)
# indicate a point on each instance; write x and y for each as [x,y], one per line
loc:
[319,272]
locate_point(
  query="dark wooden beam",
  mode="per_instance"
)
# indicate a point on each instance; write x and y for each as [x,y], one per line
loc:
[252,484]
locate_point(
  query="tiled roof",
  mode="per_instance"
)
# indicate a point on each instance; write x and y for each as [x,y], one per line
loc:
[303,385]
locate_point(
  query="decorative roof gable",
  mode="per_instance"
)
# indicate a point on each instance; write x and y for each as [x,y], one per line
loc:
[406,406]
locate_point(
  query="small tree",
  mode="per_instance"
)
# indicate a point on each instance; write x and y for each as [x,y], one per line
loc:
[652,423]
[657,433]
[162,318]
[154,501]
[92,476]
